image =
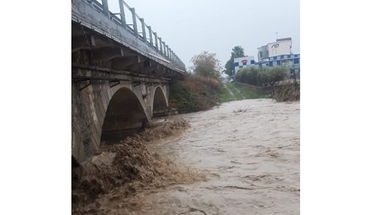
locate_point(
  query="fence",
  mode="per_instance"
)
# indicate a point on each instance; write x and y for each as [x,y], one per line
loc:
[127,17]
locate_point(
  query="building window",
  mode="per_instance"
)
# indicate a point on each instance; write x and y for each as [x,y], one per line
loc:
[236,64]
[252,62]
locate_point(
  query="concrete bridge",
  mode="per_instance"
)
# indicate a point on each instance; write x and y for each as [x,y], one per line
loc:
[121,72]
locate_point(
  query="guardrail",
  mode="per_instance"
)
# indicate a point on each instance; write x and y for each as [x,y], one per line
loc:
[137,27]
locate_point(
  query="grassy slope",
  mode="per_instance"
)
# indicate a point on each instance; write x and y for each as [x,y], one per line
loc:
[238,91]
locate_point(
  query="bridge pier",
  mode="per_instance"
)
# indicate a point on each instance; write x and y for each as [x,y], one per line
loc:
[100,111]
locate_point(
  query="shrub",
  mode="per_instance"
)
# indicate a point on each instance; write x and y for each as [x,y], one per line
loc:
[287,92]
[261,76]
[194,93]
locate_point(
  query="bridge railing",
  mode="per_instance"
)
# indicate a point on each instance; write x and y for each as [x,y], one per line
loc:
[130,20]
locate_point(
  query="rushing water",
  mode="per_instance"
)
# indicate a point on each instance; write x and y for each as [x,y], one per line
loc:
[250,151]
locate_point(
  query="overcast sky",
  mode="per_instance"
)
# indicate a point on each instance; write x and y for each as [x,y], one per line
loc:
[192,26]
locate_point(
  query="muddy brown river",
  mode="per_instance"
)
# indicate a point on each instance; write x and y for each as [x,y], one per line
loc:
[249,152]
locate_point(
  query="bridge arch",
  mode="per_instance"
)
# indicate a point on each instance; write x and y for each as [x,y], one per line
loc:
[159,101]
[124,116]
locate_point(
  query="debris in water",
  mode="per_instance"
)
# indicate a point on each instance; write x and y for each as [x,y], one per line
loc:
[129,166]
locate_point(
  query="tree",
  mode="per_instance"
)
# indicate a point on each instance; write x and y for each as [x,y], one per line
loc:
[236,52]
[206,64]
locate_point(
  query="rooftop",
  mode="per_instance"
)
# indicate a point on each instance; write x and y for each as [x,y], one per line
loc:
[282,39]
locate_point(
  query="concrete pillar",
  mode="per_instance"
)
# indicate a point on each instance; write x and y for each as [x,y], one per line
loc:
[156,40]
[150,35]
[143,29]
[134,18]
[159,38]
[167,51]
[105,7]
[164,45]
[122,13]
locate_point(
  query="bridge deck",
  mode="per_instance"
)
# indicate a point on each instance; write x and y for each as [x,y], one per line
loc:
[92,22]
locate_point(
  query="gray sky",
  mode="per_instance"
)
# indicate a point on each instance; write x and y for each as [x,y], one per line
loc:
[192,26]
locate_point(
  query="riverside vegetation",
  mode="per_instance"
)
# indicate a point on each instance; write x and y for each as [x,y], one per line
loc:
[271,77]
[262,76]
[202,88]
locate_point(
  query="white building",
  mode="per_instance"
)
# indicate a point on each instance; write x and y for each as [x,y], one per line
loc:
[242,62]
[279,47]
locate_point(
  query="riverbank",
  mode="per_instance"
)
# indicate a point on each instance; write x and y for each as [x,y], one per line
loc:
[238,91]
[196,93]
[288,91]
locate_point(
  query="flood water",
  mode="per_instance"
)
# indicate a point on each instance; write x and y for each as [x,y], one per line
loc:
[249,151]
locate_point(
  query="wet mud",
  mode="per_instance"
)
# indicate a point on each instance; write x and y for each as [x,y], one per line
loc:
[239,158]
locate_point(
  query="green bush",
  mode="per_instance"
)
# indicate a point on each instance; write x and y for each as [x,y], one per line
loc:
[261,76]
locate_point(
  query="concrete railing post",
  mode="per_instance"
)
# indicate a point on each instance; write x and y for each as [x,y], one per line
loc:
[134,21]
[160,40]
[156,40]
[122,13]
[105,7]
[150,36]
[164,48]
[143,29]
[166,51]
